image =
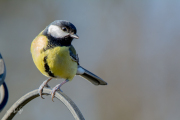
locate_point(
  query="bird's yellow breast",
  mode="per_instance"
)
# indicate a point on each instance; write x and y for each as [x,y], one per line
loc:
[54,61]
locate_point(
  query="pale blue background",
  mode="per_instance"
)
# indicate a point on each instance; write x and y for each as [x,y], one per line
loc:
[133,45]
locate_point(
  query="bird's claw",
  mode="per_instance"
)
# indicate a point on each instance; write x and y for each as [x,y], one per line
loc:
[40,90]
[56,88]
[47,86]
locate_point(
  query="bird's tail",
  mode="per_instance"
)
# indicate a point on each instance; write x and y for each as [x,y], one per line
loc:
[90,76]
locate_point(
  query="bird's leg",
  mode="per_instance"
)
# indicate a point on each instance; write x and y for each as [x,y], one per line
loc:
[44,84]
[57,87]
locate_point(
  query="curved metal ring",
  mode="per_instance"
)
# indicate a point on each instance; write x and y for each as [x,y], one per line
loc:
[4,96]
[34,94]
[3,88]
[2,70]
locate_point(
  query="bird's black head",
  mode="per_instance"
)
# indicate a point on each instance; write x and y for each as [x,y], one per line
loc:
[61,32]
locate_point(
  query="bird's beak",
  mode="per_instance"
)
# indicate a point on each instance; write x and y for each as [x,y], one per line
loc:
[74,36]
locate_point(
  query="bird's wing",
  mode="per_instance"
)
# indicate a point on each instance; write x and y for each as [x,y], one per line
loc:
[73,54]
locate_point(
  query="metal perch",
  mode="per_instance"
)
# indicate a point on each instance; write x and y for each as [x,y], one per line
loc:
[30,96]
[34,94]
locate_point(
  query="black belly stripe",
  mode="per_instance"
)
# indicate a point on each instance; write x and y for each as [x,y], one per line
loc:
[47,69]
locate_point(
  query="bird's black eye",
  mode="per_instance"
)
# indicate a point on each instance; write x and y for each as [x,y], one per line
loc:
[64,29]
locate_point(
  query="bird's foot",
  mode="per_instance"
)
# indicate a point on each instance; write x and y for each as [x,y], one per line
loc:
[40,90]
[56,88]
[44,84]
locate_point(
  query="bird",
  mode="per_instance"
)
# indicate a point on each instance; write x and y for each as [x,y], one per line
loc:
[55,56]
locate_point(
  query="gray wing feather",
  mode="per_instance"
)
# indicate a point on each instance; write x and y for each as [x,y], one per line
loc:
[92,77]
[73,55]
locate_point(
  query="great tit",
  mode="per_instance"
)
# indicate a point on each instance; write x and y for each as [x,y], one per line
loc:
[55,57]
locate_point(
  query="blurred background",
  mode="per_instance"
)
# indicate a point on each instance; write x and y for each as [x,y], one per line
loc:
[132,45]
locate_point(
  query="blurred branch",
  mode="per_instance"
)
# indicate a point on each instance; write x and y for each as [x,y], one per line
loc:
[34,94]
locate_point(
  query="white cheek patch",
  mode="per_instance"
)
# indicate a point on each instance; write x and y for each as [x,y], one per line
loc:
[56,31]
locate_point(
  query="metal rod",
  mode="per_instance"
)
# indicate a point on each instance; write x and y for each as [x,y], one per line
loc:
[34,94]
